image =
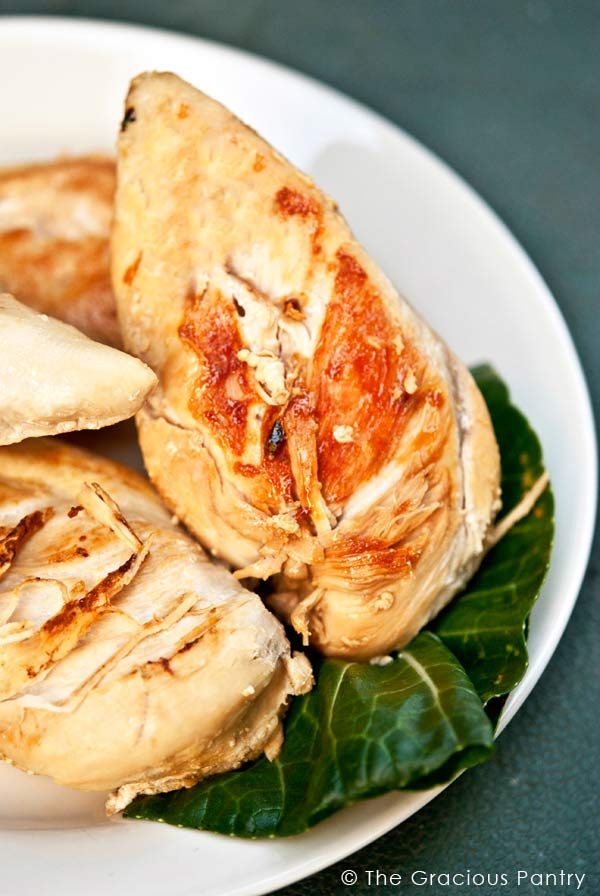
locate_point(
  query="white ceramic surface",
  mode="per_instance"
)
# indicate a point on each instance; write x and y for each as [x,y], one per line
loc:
[62,84]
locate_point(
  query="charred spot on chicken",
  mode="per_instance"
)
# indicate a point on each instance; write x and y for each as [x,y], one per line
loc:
[128,118]
[276,437]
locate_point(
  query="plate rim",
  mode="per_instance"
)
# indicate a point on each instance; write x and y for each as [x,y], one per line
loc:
[75,27]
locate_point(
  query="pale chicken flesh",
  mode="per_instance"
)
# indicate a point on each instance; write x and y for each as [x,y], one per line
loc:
[55,220]
[128,661]
[53,379]
[308,425]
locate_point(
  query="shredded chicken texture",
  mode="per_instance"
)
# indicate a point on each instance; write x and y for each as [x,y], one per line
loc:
[53,379]
[128,661]
[55,220]
[308,424]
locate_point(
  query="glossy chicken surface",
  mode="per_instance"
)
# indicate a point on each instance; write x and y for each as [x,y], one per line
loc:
[308,424]
[128,661]
[53,379]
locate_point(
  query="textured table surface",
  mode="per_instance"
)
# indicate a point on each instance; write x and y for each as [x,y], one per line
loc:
[508,93]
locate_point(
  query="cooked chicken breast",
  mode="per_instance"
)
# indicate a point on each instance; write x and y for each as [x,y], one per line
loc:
[128,660]
[54,379]
[308,423]
[54,227]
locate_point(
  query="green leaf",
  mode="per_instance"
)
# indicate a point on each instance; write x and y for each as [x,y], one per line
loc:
[485,627]
[364,730]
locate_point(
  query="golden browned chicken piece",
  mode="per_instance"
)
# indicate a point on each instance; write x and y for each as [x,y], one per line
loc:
[308,424]
[54,227]
[128,661]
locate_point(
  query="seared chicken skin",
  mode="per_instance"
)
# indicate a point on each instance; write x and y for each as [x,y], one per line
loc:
[308,424]
[128,661]
[54,227]
[53,379]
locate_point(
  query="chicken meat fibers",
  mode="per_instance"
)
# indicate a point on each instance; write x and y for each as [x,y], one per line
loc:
[308,425]
[128,661]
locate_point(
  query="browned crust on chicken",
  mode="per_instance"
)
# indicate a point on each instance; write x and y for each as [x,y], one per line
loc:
[341,446]
[12,537]
[128,661]
[54,253]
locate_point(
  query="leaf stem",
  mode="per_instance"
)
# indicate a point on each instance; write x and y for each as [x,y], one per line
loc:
[521,510]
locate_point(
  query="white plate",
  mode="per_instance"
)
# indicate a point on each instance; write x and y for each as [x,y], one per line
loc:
[62,84]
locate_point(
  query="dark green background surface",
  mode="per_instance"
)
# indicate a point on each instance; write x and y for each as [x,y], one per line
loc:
[509,94]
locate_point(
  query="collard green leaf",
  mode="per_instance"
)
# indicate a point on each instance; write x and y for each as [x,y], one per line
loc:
[364,730]
[485,627]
